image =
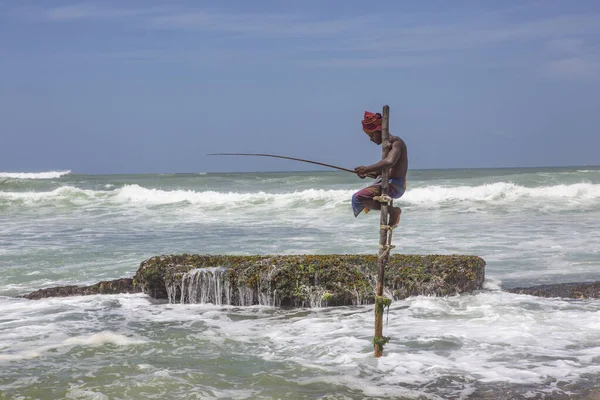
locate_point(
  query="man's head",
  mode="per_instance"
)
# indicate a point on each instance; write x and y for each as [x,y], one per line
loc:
[371,125]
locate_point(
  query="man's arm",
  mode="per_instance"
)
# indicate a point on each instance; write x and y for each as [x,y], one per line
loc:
[391,159]
[370,175]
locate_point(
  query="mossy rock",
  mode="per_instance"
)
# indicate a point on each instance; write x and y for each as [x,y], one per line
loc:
[302,280]
[123,285]
[572,290]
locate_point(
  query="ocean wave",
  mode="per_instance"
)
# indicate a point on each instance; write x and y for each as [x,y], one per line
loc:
[141,195]
[34,175]
[494,193]
[502,191]
[60,194]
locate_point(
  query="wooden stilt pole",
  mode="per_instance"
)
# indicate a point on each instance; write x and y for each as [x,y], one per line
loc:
[384,246]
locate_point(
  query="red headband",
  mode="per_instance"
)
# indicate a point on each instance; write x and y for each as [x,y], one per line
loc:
[371,123]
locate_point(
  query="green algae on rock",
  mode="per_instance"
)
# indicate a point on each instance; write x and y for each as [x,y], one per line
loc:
[572,290]
[304,280]
[123,285]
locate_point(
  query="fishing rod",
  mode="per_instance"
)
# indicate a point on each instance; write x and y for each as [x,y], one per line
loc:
[287,158]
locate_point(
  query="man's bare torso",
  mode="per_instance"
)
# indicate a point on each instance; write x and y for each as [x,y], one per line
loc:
[400,168]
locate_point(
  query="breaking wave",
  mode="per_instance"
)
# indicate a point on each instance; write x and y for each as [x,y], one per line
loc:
[34,175]
[494,193]
[502,191]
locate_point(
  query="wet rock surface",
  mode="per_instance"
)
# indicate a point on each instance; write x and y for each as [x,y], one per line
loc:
[295,280]
[575,290]
[123,285]
[306,280]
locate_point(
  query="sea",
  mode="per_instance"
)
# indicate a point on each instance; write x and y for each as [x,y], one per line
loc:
[532,226]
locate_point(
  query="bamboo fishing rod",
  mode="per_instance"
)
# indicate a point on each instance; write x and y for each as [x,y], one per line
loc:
[287,158]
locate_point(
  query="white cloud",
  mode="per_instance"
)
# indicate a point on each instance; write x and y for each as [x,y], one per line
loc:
[375,62]
[574,68]
[406,33]
[567,45]
[83,11]
[268,24]
[371,41]
[472,34]
[574,58]
[261,24]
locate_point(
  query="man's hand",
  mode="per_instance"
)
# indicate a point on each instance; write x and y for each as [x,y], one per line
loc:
[361,172]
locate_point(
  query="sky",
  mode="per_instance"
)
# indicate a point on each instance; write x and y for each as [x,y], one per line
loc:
[153,86]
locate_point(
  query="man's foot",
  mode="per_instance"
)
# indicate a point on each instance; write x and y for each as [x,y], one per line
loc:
[394,216]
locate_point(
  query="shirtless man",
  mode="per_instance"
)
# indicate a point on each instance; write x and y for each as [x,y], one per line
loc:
[396,161]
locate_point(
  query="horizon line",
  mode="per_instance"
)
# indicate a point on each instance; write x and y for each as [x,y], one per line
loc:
[594,166]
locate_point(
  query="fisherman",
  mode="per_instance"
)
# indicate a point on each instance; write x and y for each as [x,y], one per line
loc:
[396,161]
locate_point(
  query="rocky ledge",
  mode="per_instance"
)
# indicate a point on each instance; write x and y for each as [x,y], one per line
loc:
[306,280]
[300,281]
[576,290]
[124,285]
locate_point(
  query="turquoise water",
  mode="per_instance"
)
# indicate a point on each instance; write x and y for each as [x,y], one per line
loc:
[532,226]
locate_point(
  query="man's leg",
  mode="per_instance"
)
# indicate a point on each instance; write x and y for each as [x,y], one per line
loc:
[363,199]
[395,213]
[372,204]
[396,191]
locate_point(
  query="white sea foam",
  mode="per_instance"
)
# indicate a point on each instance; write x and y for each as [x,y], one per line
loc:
[34,175]
[501,192]
[100,339]
[141,195]
[94,340]
[58,194]
[486,338]
[76,392]
[495,193]
[439,347]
